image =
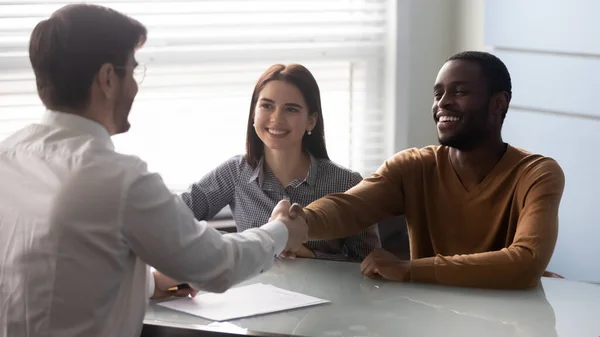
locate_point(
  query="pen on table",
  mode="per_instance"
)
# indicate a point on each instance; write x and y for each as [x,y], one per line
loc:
[179,287]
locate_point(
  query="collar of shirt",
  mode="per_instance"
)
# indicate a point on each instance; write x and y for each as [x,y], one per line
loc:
[267,181]
[78,123]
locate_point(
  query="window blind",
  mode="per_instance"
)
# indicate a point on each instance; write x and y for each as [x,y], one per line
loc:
[203,59]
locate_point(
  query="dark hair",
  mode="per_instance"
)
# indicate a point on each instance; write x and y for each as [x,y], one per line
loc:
[300,77]
[493,70]
[67,50]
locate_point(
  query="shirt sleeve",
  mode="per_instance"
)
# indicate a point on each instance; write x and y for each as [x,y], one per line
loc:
[362,244]
[214,191]
[150,285]
[162,231]
[375,198]
[149,282]
[522,264]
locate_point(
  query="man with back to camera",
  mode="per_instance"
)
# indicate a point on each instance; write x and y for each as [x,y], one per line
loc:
[480,212]
[79,221]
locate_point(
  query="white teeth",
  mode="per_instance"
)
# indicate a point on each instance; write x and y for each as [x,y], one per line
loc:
[276,132]
[449,119]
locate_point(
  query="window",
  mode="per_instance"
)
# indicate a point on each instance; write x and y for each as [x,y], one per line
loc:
[203,59]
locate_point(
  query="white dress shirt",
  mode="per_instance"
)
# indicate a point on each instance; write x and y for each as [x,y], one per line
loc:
[79,222]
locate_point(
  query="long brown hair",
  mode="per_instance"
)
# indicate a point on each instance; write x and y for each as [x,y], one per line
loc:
[300,77]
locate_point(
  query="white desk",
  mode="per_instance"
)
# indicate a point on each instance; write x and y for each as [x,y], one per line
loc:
[364,307]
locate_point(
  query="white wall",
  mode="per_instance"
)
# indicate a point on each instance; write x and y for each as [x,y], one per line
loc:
[470,25]
[425,39]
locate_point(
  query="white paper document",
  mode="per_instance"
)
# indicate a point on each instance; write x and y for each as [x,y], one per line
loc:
[250,300]
[228,326]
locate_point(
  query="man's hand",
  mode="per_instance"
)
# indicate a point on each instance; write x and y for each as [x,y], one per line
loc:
[381,263]
[293,220]
[162,283]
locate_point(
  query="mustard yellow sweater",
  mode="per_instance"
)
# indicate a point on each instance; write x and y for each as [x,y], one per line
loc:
[499,235]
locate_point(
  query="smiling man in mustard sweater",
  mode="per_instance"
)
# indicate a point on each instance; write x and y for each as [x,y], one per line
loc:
[480,212]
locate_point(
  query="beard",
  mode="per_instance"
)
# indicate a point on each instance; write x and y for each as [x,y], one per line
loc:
[122,108]
[466,140]
[473,134]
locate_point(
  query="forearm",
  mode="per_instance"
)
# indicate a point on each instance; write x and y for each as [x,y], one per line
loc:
[162,231]
[332,217]
[509,268]
[345,214]
[216,262]
[243,256]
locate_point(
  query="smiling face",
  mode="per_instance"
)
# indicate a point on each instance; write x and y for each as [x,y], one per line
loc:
[281,116]
[461,105]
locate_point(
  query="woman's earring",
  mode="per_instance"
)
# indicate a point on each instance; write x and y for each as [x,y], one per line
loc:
[309,132]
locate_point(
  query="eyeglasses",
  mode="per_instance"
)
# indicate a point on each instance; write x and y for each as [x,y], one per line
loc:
[139,72]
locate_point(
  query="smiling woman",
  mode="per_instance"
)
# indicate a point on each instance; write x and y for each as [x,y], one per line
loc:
[285,158]
[285,107]
[283,119]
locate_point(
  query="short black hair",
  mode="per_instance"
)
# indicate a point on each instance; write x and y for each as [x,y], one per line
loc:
[492,68]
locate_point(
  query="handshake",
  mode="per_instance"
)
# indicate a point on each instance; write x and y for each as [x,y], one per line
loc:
[294,219]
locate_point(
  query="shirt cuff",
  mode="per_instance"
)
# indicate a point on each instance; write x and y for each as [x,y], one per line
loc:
[149,282]
[423,270]
[278,231]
